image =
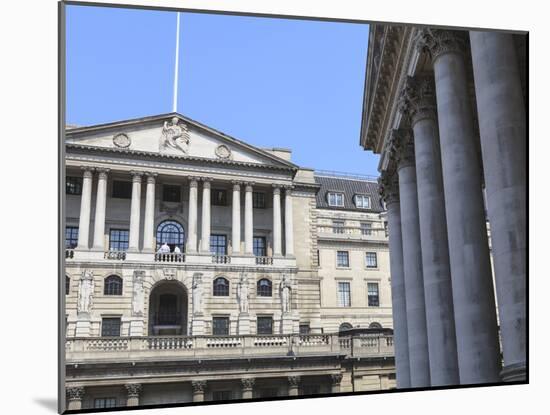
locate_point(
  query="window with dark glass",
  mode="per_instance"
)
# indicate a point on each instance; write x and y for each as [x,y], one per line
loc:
[338,226]
[304,328]
[118,239]
[310,390]
[221,287]
[172,233]
[73,185]
[342,259]
[113,285]
[67,285]
[371,260]
[218,244]
[344,294]
[259,246]
[264,325]
[71,237]
[100,403]
[219,197]
[366,228]
[264,288]
[220,326]
[258,200]
[110,326]
[122,190]
[171,193]
[267,392]
[222,395]
[373,295]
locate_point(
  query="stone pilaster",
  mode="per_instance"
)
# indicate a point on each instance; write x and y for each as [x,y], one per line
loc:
[85,208]
[289,223]
[149,222]
[198,390]
[205,217]
[191,245]
[277,242]
[236,218]
[74,398]
[248,220]
[247,388]
[101,203]
[135,212]
[133,390]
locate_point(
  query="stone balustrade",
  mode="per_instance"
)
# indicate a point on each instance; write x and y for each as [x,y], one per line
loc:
[169,257]
[264,260]
[329,230]
[115,255]
[69,253]
[221,259]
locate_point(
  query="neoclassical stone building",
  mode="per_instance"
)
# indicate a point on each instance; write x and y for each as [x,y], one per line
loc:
[192,270]
[446,111]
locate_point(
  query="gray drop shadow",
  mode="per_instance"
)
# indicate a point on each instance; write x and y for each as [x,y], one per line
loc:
[48,403]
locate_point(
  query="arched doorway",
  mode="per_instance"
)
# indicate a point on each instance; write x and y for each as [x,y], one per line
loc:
[168,309]
[172,233]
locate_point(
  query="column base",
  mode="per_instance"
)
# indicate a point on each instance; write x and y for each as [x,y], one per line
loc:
[514,373]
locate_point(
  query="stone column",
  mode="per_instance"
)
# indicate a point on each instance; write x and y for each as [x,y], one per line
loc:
[419,363]
[74,396]
[85,206]
[191,245]
[247,388]
[236,218]
[277,251]
[389,187]
[198,390]
[248,220]
[418,105]
[149,223]
[503,131]
[133,245]
[133,390]
[205,217]
[336,380]
[289,223]
[293,384]
[100,205]
[473,296]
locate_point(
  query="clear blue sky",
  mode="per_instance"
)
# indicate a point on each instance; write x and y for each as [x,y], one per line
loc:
[269,82]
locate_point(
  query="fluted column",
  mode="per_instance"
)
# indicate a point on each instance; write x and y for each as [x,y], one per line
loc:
[277,242]
[191,245]
[74,396]
[389,186]
[100,205]
[418,105]
[412,261]
[248,220]
[149,222]
[85,207]
[335,380]
[133,390]
[236,218]
[205,217]
[503,131]
[247,388]
[198,390]
[289,223]
[135,209]
[293,385]
[473,295]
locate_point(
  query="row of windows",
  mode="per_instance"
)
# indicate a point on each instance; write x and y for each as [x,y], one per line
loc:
[344,294]
[337,199]
[342,259]
[338,227]
[112,285]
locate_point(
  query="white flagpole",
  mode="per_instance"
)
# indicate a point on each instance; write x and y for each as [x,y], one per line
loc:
[175,101]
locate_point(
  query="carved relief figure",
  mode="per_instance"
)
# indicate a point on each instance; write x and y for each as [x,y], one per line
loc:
[138,299]
[85,292]
[197,293]
[242,293]
[174,135]
[285,293]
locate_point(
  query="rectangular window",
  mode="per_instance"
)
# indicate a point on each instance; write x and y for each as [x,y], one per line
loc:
[218,244]
[71,237]
[310,390]
[258,200]
[73,185]
[362,201]
[220,326]
[366,228]
[122,190]
[267,392]
[118,239]
[171,193]
[105,403]
[335,199]
[371,260]
[304,328]
[110,326]
[342,259]
[373,295]
[338,226]
[219,197]
[259,246]
[344,294]
[222,395]
[264,325]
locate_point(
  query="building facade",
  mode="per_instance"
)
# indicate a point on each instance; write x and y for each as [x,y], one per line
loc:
[446,111]
[199,267]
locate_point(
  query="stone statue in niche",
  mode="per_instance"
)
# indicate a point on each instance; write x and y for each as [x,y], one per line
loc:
[86,291]
[138,298]
[197,293]
[242,293]
[174,135]
[285,293]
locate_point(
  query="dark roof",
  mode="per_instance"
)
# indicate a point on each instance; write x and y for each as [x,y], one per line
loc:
[350,187]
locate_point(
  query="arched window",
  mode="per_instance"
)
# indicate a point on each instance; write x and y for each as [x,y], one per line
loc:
[221,287]
[345,326]
[375,325]
[172,233]
[67,285]
[264,288]
[113,285]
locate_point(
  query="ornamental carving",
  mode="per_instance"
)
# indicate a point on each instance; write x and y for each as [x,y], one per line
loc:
[438,42]
[243,293]
[122,140]
[75,393]
[285,289]
[248,383]
[85,292]
[223,152]
[169,273]
[417,100]
[294,381]
[198,386]
[133,390]
[402,147]
[175,135]
[197,293]
[138,296]
[336,378]
[388,185]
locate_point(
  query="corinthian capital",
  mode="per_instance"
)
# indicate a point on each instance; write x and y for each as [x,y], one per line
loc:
[437,42]
[417,100]
[133,390]
[402,147]
[388,185]
[75,393]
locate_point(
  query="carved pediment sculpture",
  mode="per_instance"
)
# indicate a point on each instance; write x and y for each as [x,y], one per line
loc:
[175,135]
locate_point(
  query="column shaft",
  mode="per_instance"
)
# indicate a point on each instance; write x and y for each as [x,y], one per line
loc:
[277,251]
[191,245]
[236,219]
[101,203]
[135,208]
[248,220]
[503,131]
[206,221]
[85,207]
[289,223]
[149,223]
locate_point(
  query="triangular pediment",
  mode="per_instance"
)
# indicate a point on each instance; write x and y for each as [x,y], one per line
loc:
[174,135]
